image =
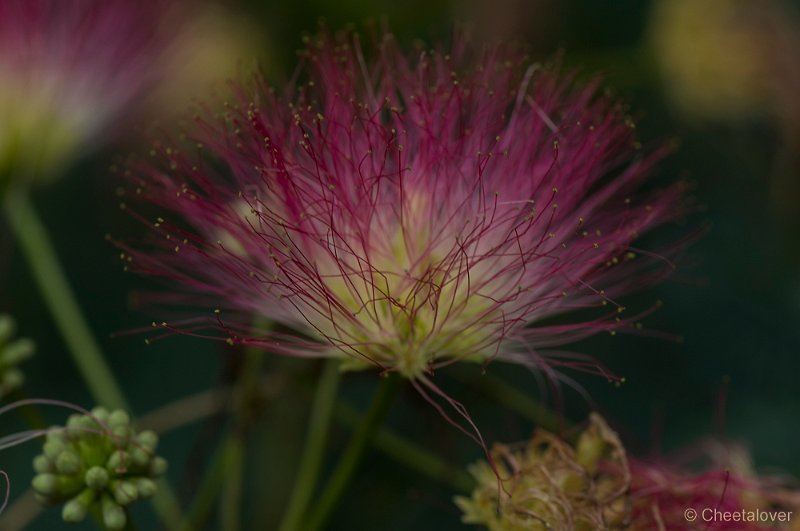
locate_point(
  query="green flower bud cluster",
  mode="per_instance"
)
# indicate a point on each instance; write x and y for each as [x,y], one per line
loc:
[97,464]
[12,353]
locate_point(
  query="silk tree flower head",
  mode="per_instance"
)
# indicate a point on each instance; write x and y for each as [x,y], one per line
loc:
[404,212]
[550,484]
[68,70]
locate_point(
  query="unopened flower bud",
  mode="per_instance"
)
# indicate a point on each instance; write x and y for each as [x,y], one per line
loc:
[68,462]
[113,515]
[101,414]
[146,487]
[124,492]
[96,478]
[42,464]
[118,418]
[45,484]
[75,509]
[158,466]
[118,462]
[147,439]
[12,353]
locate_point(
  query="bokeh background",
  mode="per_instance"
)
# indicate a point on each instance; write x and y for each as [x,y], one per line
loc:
[720,76]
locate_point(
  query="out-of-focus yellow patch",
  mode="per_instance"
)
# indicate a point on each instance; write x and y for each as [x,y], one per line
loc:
[38,137]
[718,57]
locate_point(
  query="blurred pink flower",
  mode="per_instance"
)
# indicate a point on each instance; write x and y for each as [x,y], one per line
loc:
[716,489]
[68,71]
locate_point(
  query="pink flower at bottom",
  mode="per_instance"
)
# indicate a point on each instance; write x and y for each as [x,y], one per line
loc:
[720,492]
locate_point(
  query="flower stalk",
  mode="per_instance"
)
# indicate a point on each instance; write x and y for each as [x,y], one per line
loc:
[235,447]
[316,439]
[410,454]
[61,302]
[353,454]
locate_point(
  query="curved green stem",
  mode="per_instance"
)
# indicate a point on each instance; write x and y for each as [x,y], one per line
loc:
[316,438]
[61,302]
[352,455]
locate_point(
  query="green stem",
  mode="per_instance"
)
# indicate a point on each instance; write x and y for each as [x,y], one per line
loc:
[515,400]
[63,307]
[130,525]
[347,465]
[166,504]
[230,503]
[231,499]
[409,454]
[316,438]
[203,502]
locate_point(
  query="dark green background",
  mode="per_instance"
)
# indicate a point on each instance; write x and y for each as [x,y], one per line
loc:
[736,301]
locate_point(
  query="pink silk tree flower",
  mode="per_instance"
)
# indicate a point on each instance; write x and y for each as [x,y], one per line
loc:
[713,486]
[405,212]
[68,71]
